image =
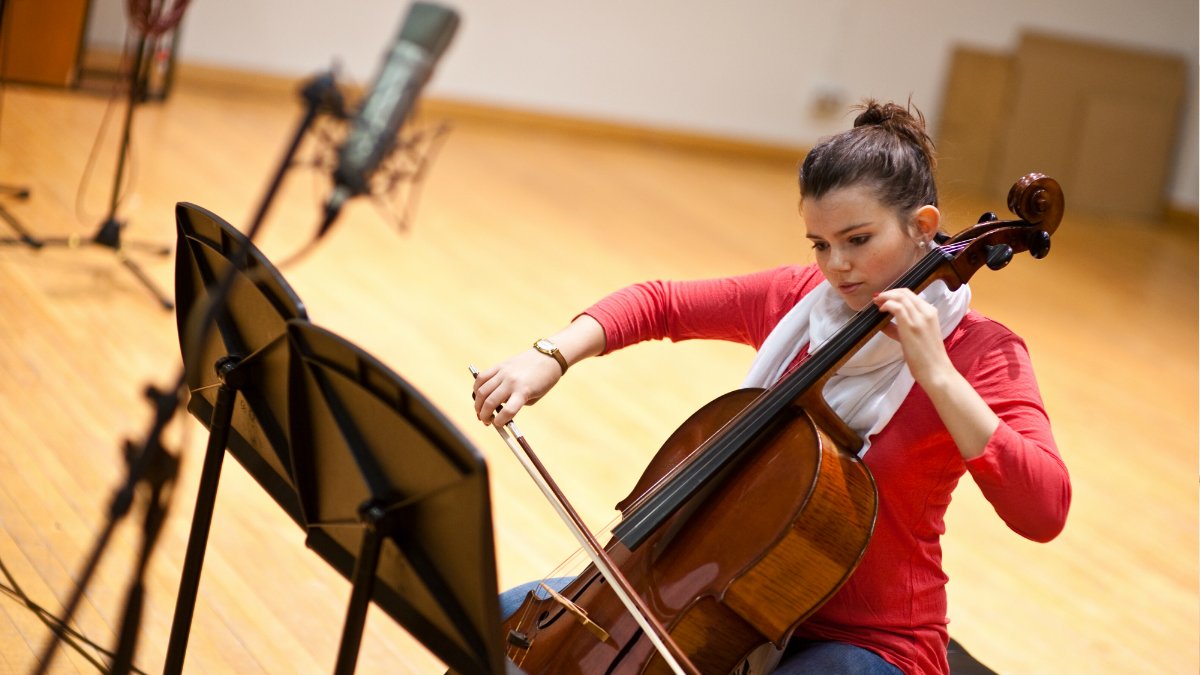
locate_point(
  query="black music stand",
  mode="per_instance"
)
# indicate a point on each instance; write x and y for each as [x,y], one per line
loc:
[396,500]
[237,374]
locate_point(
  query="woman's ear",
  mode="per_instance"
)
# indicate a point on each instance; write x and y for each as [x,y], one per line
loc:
[927,221]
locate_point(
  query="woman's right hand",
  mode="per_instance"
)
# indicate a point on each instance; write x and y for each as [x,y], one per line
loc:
[526,377]
[514,383]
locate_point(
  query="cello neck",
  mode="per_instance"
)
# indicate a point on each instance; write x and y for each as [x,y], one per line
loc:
[830,356]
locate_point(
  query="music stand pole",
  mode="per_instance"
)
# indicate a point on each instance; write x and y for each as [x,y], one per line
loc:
[378,521]
[206,499]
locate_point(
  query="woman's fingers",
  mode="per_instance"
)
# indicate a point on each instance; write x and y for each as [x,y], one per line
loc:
[915,325]
[501,391]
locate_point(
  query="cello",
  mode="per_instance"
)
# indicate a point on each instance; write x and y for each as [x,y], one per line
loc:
[756,510]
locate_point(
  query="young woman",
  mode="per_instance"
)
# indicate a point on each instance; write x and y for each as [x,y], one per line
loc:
[942,391]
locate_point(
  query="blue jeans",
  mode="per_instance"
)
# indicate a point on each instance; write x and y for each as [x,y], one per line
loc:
[832,658]
[800,658]
[510,600]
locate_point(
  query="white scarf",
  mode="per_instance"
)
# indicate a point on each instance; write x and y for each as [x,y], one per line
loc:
[868,389]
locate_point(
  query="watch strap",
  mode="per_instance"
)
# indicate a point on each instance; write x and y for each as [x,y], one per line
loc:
[550,349]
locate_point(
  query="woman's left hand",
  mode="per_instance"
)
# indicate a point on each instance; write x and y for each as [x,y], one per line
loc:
[966,415]
[915,325]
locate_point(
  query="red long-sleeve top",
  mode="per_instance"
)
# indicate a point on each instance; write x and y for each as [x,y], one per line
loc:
[895,601]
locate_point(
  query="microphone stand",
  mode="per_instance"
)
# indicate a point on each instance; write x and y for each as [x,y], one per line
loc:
[152,464]
[109,234]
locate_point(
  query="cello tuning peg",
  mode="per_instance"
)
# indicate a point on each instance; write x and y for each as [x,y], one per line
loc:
[987,217]
[998,256]
[1039,244]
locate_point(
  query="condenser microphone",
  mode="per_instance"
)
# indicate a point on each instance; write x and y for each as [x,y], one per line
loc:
[425,33]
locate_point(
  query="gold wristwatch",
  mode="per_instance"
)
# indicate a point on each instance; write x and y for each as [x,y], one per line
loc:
[550,349]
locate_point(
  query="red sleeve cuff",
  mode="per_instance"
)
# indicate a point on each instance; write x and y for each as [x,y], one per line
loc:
[1026,483]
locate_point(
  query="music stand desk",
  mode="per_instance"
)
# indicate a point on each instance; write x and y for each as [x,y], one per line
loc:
[389,493]
[397,500]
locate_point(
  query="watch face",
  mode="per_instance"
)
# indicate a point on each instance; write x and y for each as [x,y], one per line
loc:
[545,346]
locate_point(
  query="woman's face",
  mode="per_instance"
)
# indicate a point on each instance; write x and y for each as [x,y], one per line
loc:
[861,245]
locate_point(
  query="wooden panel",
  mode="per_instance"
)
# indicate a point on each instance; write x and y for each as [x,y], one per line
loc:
[973,117]
[1059,81]
[1113,133]
[40,41]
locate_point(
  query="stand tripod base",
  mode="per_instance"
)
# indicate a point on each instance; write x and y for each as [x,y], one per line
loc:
[20,192]
[109,236]
[23,236]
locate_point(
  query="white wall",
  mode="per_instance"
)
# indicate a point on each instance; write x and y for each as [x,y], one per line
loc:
[750,70]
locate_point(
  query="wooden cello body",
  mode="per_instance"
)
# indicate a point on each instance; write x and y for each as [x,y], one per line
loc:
[777,545]
[757,509]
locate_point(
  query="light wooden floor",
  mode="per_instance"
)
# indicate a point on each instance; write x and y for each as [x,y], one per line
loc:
[518,229]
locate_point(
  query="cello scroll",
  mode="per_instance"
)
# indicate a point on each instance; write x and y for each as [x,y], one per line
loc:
[1037,200]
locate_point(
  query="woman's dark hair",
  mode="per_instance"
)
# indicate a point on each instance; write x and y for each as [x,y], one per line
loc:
[887,150]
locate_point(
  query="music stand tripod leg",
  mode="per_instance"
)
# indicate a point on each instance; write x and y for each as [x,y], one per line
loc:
[377,521]
[206,497]
[137,271]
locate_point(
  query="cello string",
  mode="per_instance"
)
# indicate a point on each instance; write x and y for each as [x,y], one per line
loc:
[670,476]
[713,453]
[679,483]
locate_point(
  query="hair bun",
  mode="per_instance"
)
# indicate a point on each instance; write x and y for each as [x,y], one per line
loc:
[872,114]
[905,122]
[889,115]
